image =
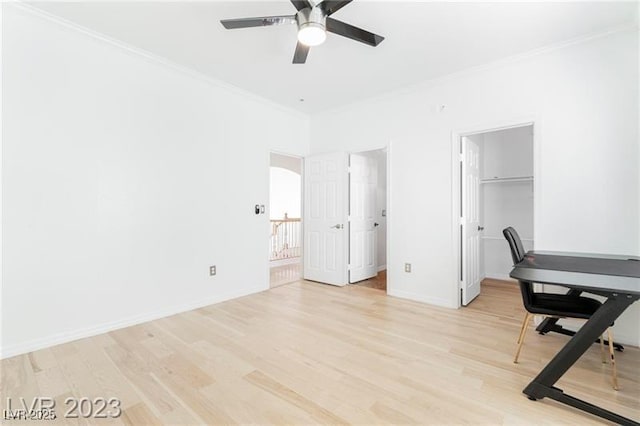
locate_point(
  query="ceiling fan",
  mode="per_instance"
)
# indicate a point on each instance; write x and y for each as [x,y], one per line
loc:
[313,20]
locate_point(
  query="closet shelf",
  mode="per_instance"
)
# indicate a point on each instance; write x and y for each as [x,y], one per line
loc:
[507,179]
[502,238]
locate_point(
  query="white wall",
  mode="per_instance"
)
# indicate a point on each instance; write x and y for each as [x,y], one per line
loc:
[584,100]
[285,193]
[284,161]
[124,178]
[508,153]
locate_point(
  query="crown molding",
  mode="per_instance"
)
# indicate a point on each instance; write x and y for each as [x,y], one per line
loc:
[152,57]
[500,63]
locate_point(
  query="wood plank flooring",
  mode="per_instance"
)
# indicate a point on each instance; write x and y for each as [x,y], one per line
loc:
[307,353]
[285,274]
[378,282]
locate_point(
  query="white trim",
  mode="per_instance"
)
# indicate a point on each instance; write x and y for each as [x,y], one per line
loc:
[382,268]
[436,301]
[494,126]
[152,57]
[81,333]
[456,135]
[1,174]
[507,179]
[388,150]
[426,84]
[392,93]
[502,239]
[456,232]
[499,276]
[284,262]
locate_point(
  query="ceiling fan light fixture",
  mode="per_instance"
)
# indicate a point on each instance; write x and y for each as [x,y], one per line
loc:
[313,21]
[312,34]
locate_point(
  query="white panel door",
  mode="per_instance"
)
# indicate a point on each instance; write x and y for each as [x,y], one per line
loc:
[325,218]
[470,221]
[363,184]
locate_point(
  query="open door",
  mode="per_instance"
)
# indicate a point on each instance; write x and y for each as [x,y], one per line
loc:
[363,184]
[470,220]
[326,236]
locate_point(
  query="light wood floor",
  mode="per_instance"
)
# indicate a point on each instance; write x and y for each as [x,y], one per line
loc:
[378,282]
[308,353]
[285,274]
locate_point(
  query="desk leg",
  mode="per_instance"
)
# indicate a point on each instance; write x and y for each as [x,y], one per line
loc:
[542,385]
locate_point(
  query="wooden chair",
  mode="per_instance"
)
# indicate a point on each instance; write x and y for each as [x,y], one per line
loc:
[554,305]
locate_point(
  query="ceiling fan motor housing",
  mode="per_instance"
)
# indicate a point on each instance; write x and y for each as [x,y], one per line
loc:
[311,17]
[314,20]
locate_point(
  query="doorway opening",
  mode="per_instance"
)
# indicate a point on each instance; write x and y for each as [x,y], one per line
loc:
[345,218]
[496,191]
[368,219]
[285,219]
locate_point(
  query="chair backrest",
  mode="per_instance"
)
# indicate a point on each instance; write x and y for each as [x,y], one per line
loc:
[517,249]
[517,254]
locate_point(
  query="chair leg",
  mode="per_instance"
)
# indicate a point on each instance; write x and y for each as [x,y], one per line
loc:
[614,370]
[523,332]
[604,357]
[523,326]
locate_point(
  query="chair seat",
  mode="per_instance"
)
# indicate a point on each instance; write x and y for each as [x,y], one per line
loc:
[562,305]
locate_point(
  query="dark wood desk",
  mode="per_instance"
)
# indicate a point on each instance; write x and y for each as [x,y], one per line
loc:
[615,277]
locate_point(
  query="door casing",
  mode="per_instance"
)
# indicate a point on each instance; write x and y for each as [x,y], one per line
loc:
[389,260]
[456,205]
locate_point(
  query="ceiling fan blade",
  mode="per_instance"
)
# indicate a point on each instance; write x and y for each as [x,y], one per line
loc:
[354,33]
[300,57]
[264,21]
[300,4]
[332,6]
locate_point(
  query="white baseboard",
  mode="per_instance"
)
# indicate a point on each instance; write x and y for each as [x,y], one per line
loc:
[282,262]
[498,276]
[421,298]
[382,268]
[69,336]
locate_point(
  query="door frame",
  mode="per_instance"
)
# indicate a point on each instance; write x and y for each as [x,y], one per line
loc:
[268,210]
[388,150]
[456,187]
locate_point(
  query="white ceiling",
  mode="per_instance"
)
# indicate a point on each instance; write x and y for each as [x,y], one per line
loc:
[424,40]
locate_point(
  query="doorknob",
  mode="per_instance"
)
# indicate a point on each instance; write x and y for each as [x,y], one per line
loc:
[480,228]
[338,226]
[376,224]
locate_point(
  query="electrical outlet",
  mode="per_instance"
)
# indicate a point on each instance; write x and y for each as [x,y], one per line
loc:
[407,267]
[212,270]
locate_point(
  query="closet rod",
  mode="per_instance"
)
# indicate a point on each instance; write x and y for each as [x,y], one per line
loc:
[508,179]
